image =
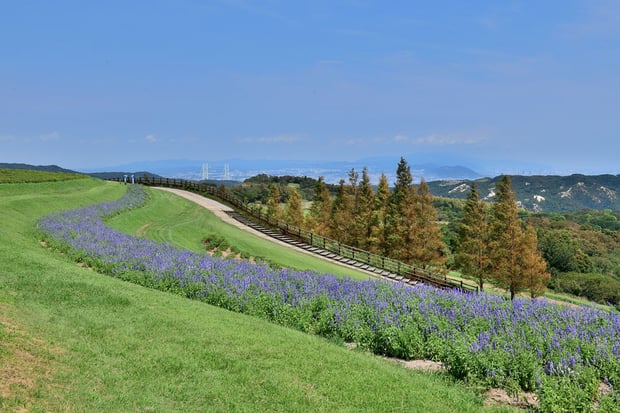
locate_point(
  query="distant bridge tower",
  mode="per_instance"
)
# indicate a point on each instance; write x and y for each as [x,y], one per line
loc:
[205,171]
[226,172]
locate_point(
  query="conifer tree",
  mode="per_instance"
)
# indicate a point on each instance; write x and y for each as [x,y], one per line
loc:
[506,240]
[473,237]
[320,210]
[400,213]
[342,215]
[364,211]
[425,245]
[273,202]
[533,265]
[376,242]
[352,236]
[293,211]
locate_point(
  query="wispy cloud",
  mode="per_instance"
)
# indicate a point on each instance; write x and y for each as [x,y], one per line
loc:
[272,139]
[151,138]
[433,139]
[53,136]
[7,138]
[443,140]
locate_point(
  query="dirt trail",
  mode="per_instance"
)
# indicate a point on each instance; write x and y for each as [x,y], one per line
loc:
[219,210]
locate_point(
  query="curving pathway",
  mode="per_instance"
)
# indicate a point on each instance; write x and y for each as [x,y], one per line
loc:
[222,211]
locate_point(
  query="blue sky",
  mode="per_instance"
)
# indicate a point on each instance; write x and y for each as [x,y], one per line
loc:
[90,84]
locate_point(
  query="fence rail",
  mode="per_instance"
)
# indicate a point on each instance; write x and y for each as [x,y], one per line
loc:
[379,262]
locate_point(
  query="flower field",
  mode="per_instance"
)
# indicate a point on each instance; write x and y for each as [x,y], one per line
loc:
[565,355]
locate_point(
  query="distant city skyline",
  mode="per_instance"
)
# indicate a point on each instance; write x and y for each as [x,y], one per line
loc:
[499,87]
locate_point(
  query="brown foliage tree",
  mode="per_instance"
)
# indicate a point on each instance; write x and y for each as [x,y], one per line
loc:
[533,265]
[472,255]
[506,240]
[293,212]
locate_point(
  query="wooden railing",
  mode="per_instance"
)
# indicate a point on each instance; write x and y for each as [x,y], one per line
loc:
[390,265]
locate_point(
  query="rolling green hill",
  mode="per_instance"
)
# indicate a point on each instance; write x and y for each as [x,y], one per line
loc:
[74,340]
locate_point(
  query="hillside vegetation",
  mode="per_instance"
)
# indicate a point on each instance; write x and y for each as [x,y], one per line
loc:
[546,193]
[23,176]
[74,340]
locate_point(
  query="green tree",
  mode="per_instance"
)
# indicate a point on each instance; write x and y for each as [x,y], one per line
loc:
[293,212]
[562,252]
[506,239]
[472,255]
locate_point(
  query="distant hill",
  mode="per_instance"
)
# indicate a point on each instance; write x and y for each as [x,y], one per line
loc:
[56,168]
[44,168]
[544,193]
[120,175]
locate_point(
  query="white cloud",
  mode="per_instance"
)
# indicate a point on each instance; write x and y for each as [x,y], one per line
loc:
[272,139]
[151,138]
[443,140]
[54,136]
[401,139]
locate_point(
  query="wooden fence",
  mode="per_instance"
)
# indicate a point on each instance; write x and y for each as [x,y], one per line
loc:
[355,254]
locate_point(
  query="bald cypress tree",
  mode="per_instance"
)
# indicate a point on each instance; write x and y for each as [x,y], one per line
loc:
[425,244]
[293,211]
[341,218]
[320,210]
[273,202]
[472,255]
[376,243]
[364,211]
[506,240]
[533,265]
[400,213]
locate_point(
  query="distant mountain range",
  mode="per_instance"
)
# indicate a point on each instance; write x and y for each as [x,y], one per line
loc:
[544,193]
[539,193]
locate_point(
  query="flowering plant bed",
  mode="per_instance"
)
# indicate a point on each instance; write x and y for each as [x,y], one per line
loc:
[563,354]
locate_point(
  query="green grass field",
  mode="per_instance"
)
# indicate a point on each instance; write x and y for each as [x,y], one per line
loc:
[173,219]
[74,340]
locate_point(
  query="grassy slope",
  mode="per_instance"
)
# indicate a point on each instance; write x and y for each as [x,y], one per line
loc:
[181,222]
[74,340]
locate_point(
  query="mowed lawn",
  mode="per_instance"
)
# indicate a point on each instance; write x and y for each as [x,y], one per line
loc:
[170,218]
[75,340]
